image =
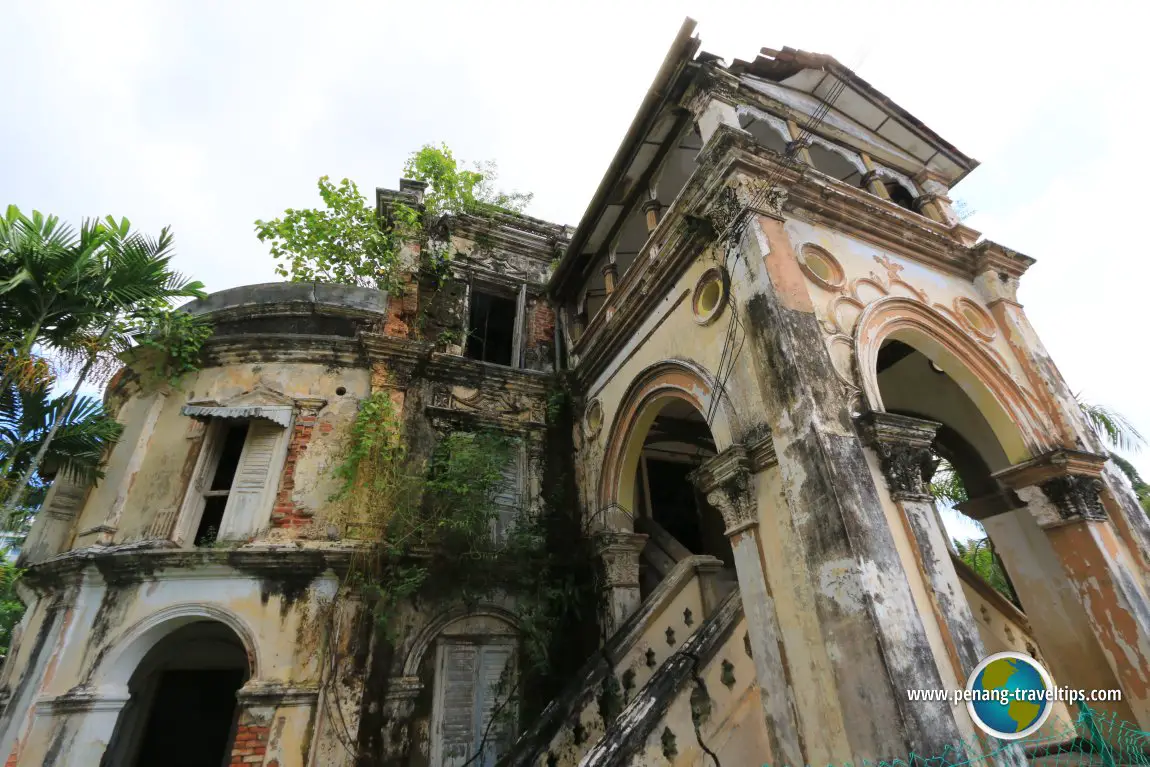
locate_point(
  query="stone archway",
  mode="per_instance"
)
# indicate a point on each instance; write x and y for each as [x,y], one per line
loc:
[182,706]
[652,390]
[935,391]
[1020,428]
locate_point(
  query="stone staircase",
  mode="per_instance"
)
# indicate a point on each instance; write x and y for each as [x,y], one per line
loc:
[677,670]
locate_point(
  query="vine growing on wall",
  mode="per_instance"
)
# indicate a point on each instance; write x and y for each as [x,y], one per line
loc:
[438,530]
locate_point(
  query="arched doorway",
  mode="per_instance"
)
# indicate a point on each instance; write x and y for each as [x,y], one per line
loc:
[678,442]
[668,507]
[182,705]
[1012,557]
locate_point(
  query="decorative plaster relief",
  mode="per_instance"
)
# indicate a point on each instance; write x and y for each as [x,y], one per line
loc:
[975,319]
[821,267]
[593,419]
[491,401]
[850,297]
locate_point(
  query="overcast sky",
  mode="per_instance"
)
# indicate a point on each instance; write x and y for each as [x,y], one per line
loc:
[207,116]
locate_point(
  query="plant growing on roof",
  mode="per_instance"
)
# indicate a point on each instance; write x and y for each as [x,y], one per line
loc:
[346,242]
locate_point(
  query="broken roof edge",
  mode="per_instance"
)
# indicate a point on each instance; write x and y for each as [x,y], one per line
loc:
[799,59]
[678,56]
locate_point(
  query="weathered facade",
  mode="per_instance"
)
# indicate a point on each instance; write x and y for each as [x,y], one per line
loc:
[772,324]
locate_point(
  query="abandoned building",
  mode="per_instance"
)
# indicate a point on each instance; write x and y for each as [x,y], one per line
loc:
[771,324]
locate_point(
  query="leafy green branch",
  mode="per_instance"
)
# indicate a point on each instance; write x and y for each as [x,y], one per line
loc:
[346,242]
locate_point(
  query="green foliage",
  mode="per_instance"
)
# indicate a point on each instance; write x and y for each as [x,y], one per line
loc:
[340,243]
[11,608]
[946,485]
[1112,427]
[982,559]
[345,243]
[440,530]
[1141,489]
[27,415]
[454,190]
[82,297]
[81,294]
[177,338]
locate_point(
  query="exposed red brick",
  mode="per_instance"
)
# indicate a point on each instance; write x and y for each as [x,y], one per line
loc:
[287,513]
[542,324]
[402,307]
[250,744]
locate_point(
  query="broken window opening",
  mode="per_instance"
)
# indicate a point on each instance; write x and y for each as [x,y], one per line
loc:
[491,328]
[899,194]
[216,496]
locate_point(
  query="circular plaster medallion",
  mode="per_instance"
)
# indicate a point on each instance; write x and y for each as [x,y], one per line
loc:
[821,267]
[975,318]
[710,296]
[593,418]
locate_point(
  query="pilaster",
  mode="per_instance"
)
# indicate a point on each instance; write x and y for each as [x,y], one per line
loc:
[1064,491]
[618,554]
[727,482]
[876,639]
[903,445]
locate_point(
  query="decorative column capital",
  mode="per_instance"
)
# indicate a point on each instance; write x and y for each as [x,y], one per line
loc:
[903,445]
[619,554]
[1070,480]
[726,482]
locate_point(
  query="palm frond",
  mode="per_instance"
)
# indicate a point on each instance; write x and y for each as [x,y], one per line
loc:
[1112,427]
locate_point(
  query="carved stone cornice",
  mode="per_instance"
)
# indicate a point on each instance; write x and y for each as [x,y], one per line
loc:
[155,560]
[762,453]
[990,256]
[619,555]
[726,482]
[1070,480]
[1049,465]
[271,695]
[903,445]
[246,348]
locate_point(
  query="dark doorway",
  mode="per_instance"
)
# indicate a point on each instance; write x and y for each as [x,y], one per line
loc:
[183,709]
[673,504]
[491,328]
[191,720]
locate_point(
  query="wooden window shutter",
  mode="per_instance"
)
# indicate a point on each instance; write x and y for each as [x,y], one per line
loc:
[509,496]
[457,735]
[253,488]
[494,660]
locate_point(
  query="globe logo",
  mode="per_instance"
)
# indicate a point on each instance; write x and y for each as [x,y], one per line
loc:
[1009,695]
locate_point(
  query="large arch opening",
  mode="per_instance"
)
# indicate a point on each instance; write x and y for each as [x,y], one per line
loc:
[668,506]
[182,708]
[1019,594]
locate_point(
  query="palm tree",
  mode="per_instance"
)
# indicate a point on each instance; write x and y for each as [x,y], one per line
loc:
[87,297]
[981,557]
[82,433]
[1112,427]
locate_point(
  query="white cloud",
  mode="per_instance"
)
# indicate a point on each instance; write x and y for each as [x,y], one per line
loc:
[207,116]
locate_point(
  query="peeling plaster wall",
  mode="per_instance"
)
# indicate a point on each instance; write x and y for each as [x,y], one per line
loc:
[177,439]
[952,678]
[101,643]
[1058,621]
